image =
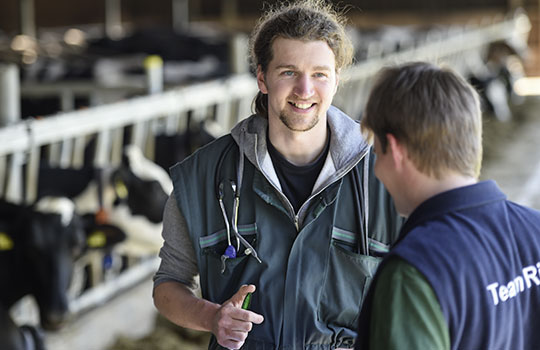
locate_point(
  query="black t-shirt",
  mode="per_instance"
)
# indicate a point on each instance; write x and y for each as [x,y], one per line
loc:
[297,181]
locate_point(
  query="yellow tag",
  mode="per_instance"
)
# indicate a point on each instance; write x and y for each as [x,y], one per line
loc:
[153,61]
[6,243]
[97,239]
[121,189]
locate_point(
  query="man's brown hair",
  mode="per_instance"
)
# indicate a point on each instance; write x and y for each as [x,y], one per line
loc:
[433,111]
[306,20]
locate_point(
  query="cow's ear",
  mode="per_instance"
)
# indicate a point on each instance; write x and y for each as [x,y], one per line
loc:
[96,239]
[120,188]
[6,242]
[105,236]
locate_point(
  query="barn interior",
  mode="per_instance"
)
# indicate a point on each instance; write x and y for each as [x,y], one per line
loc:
[88,89]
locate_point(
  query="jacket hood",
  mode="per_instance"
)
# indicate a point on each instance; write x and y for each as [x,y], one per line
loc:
[347,146]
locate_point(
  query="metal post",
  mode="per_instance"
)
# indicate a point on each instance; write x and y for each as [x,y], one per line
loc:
[239,52]
[10,104]
[180,13]
[28,24]
[153,66]
[113,19]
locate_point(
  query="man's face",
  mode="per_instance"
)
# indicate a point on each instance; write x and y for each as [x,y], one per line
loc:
[300,82]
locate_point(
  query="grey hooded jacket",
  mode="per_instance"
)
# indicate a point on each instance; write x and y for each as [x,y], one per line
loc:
[315,265]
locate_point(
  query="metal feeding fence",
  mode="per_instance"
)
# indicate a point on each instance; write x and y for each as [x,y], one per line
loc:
[61,139]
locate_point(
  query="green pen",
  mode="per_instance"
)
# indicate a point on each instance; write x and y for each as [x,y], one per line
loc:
[247,301]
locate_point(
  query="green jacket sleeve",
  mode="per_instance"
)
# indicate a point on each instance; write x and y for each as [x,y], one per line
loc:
[406,313]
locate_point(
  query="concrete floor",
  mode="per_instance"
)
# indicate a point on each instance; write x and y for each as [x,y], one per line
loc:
[130,314]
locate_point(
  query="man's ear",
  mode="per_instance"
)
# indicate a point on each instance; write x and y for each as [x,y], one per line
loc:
[337,82]
[397,150]
[261,80]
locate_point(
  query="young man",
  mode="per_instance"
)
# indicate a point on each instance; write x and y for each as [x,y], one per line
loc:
[465,272]
[286,203]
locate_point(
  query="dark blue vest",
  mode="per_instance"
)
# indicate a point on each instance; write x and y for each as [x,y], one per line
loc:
[481,255]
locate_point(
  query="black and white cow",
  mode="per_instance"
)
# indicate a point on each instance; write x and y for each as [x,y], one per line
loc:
[504,64]
[38,245]
[171,149]
[132,195]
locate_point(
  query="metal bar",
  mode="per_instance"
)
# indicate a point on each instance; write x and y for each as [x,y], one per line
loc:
[66,152]
[171,124]
[67,100]
[84,122]
[32,173]
[77,161]
[113,19]
[54,153]
[10,105]
[103,146]
[117,146]
[14,186]
[28,22]
[180,13]
[138,134]
[104,291]
[3,174]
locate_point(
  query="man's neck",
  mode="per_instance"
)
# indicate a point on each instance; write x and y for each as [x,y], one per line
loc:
[426,187]
[299,148]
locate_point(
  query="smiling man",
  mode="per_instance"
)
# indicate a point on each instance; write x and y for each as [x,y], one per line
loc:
[287,203]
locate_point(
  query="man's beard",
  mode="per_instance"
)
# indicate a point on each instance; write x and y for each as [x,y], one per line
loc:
[296,122]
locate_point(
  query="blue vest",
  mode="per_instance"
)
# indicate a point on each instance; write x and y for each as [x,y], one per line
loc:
[481,255]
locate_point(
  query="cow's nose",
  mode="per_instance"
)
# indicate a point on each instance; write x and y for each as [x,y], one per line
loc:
[53,321]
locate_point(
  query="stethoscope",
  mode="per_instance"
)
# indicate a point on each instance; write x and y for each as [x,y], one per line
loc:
[231,251]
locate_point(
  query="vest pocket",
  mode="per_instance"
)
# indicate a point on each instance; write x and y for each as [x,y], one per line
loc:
[215,244]
[346,281]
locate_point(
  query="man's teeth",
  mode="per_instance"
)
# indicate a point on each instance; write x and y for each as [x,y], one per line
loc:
[302,105]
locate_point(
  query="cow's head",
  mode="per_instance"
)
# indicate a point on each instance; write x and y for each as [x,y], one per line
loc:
[55,237]
[142,184]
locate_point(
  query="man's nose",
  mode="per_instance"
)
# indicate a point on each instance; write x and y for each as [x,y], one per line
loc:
[304,87]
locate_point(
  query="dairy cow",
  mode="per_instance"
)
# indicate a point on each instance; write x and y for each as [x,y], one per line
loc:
[38,245]
[132,196]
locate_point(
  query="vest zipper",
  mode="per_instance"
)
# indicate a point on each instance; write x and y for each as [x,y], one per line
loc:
[327,185]
[295,216]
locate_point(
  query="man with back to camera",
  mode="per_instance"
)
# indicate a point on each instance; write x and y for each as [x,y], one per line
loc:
[464,273]
[287,203]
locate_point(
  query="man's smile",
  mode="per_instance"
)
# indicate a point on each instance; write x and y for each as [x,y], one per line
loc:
[302,105]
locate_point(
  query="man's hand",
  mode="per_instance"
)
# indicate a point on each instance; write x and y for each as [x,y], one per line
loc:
[232,324]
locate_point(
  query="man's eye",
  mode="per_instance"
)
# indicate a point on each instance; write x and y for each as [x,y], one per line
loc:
[288,73]
[320,75]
